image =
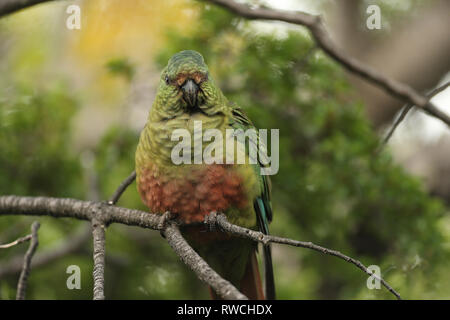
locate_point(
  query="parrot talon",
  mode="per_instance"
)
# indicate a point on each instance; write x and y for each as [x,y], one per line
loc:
[163,220]
[210,220]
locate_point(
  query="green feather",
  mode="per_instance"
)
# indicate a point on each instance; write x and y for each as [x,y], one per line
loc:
[262,205]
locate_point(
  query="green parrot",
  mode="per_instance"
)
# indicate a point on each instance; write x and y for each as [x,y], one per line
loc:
[187,96]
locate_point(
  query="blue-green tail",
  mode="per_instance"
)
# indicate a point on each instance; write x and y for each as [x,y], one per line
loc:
[264,215]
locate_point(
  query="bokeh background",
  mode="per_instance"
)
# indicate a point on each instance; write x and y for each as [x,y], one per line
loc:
[73,102]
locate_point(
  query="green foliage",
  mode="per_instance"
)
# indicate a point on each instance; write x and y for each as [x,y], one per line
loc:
[36,157]
[121,67]
[332,187]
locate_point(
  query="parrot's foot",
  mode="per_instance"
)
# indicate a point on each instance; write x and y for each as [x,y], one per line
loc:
[165,217]
[210,220]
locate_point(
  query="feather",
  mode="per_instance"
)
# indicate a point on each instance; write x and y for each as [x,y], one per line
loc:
[261,209]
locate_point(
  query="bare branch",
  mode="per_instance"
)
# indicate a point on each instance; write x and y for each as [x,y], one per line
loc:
[70,245]
[121,189]
[221,221]
[407,108]
[317,28]
[203,271]
[78,209]
[88,210]
[16,242]
[438,90]
[23,279]
[98,233]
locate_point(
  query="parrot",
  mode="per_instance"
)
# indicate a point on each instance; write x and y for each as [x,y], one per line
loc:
[186,95]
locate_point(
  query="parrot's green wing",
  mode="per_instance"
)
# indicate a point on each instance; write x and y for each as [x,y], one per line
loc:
[262,203]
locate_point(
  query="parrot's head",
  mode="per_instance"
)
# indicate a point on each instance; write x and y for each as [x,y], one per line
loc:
[186,86]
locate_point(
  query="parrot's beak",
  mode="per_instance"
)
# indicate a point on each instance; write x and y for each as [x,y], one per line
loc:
[190,91]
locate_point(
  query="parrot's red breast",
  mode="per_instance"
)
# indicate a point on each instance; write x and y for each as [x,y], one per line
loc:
[191,198]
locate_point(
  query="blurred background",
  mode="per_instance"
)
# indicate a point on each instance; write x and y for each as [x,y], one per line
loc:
[73,102]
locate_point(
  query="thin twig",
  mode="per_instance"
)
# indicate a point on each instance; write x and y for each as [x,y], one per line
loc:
[23,279]
[406,108]
[438,90]
[405,111]
[16,242]
[221,221]
[203,271]
[70,245]
[98,233]
[318,30]
[121,189]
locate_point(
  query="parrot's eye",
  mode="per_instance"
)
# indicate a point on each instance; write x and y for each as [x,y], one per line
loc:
[167,79]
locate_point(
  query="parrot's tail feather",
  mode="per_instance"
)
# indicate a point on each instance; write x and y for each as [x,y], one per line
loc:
[268,271]
[262,208]
[251,285]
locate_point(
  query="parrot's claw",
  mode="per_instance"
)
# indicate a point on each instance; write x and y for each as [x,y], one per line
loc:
[210,220]
[163,222]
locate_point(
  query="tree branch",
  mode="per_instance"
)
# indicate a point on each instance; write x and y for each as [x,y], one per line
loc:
[107,214]
[221,221]
[78,209]
[317,28]
[407,108]
[121,189]
[203,271]
[98,233]
[23,279]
